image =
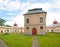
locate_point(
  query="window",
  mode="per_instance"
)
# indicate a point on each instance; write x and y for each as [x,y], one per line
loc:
[15,30]
[21,31]
[1,31]
[27,27]
[47,30]
[41,19]
[41,27]
[27,20]
[51,30]
[7,30]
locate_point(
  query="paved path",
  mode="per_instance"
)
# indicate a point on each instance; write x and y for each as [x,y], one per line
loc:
[2,44]
[35,42]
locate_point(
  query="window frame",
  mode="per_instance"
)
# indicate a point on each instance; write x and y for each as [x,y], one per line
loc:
[27,28]
[41,27]
[41,19]
[27,20]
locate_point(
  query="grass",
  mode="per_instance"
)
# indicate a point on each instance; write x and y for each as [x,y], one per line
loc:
[50,40]
[18,40]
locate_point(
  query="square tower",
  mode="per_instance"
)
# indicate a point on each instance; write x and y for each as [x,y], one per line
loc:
[35,22]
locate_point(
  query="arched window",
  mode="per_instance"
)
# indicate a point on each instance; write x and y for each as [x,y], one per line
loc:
[41,27]
[41,19]
[27,20]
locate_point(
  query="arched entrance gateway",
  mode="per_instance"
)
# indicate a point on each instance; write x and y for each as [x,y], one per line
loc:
[34,31]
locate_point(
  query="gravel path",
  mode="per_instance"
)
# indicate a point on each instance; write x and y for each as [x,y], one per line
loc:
[2,44]
[35,42]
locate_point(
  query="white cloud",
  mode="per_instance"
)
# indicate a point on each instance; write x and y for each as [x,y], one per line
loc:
[32,0]
[28,5]
[56,4]
[2,8]
[13,6]
[25,6]
[10,5]
[1,1]
[9,23]
[51,16]
[45,6]
[19,19]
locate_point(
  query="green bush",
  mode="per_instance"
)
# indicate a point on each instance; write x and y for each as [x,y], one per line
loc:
[5,34]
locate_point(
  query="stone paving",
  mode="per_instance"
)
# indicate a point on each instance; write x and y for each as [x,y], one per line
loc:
[2,44]
[35,42]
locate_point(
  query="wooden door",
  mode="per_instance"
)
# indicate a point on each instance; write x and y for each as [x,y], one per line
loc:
[34,31]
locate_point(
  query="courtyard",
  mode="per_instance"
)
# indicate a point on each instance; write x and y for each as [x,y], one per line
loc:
[20,40]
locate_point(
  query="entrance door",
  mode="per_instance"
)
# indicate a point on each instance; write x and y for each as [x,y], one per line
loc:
[34,31]
[1,31]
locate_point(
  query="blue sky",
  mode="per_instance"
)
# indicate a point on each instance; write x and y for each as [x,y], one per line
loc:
[12,10]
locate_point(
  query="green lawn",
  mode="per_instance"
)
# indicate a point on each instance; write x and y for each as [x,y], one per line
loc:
[18,40]
[50,40]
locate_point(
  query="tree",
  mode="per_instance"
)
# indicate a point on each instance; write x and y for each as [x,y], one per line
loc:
[8,25]
[2,22]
